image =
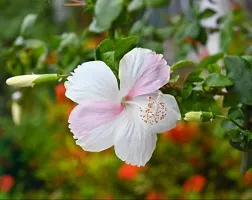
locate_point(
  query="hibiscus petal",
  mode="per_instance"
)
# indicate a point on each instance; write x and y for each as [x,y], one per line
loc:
[134,144]
[92,124]
[159,111]
[142,71]
[92,81]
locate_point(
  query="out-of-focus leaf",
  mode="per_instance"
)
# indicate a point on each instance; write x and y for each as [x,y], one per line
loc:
[210,60]
[156,3]
[239,71]
[68,39]
[246,161]
[207,13]
[226,34]
[28,22]
[136,28]
[106,11]
[135,5]
[153,45]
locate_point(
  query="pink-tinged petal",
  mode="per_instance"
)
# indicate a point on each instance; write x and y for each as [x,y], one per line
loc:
[92,124]
[92,81]
[142,71]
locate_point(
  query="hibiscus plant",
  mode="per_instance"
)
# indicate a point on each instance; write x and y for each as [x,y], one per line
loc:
[127,92]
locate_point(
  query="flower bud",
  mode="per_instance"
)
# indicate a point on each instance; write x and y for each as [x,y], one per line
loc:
[198,116]
[16,112]
[31,80]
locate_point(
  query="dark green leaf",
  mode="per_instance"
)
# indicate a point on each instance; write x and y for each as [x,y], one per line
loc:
[182,63]
[210,60]
[207,13]
[194,77]
[239,71]
[236,115]
[187,90]
[216,80]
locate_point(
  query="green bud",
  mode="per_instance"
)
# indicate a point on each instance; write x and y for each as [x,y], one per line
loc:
[198,116]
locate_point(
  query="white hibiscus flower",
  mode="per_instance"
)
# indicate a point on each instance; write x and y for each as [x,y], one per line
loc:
[128,119]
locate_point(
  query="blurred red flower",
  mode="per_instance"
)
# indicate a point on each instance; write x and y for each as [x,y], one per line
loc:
[154,195]
[60,91]
[6,183]
[194,184]
[182,133]
[248,177]
[128,172]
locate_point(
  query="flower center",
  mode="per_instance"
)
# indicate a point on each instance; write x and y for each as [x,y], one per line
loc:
[154,112]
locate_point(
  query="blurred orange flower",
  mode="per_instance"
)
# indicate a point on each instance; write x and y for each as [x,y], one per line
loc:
[194,184]
[52,58]
[155,195]
[128,172]
[182,133]
[6,183]
[60,91]
[191,41]
[248,177]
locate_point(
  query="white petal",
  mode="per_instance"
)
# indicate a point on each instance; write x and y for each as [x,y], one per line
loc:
[99,139]
[160,112]
[142,71]
[134,144]
[92,81]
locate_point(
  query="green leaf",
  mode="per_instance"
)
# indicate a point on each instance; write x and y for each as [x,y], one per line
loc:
[193,77]
[248,58]
[239,71]
[236,115]
[210,60]
[216,80]
[111,51]
[207,13]
[28,22]
[214,68]
[182,63]
[123,45]
[156,3]
[106,11]
[135,5]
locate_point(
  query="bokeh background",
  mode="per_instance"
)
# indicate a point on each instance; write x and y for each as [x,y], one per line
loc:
[38,156]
